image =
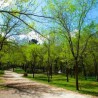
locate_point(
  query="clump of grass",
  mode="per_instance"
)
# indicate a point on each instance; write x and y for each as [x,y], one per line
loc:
[3,87]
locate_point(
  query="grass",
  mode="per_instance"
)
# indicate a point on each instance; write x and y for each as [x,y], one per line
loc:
[89,86]
[1,79]
[1,72]
[18,70]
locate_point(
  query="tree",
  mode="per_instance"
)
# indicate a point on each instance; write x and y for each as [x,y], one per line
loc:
[8,29]
[69,16]
[92,48]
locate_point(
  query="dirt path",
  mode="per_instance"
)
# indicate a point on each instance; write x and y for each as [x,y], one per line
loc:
[24,88]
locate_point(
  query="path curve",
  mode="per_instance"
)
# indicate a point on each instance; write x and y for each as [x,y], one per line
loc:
[21,87]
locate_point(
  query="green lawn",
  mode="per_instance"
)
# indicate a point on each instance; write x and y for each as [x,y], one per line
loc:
[89,86]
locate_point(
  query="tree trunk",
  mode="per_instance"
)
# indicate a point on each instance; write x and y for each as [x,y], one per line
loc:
[43,69]
[48,68]
[33,74]
[67,71]
[76,73]
[48,74]
[51,71]
[33,70]
[25,68]
[71,73]
[48,78]
[84,72]
[96,67]
[56,67]
[97,75]
[96,71]
[0,66]
[13,68]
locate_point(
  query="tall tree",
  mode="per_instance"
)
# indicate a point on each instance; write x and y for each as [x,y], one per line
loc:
[70,15]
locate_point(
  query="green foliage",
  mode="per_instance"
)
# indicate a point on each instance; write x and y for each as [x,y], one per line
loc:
[23,1]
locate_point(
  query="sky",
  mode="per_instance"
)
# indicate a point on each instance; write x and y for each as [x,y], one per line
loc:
[4,3]
[93,13]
